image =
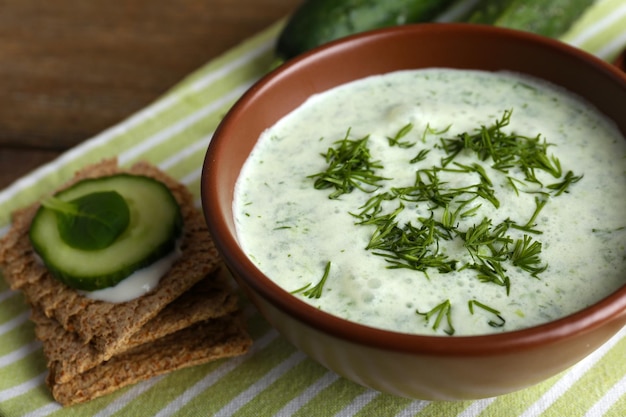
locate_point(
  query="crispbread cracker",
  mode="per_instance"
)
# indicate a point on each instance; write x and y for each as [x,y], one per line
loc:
[201,343]
[107,326]
[95,347]
[68,356]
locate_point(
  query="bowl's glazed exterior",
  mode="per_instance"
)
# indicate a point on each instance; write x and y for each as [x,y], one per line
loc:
[425,367]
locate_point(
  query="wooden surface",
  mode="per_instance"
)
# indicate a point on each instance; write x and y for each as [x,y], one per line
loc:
[71,68]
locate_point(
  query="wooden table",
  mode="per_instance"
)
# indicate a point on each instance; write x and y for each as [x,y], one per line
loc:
[71,68]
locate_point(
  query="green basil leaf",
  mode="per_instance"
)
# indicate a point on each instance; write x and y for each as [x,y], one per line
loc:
[91,222]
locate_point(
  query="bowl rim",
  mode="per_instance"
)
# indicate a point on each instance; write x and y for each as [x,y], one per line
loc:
[610,308]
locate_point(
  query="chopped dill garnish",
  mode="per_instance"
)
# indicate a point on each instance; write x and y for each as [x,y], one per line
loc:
[502,159]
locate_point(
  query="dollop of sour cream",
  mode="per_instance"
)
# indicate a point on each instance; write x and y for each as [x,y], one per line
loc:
[138,283]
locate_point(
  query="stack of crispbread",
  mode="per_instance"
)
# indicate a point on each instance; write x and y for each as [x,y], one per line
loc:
[95,347]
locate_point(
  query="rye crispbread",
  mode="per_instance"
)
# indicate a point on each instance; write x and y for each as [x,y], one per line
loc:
[95,347]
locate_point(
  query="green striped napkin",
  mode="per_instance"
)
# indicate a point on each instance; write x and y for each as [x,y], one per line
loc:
[274,378]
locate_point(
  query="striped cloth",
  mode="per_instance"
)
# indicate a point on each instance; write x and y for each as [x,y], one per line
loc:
[274,378]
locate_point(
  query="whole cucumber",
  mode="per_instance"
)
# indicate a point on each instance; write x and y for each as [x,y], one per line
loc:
[488,11]
[549,18]
[316,22]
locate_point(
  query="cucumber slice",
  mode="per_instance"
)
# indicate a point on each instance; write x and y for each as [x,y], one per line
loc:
[154,226]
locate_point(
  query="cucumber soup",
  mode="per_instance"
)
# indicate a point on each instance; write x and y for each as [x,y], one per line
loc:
[439,201]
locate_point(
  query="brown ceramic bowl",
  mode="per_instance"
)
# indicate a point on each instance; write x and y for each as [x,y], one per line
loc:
[620,61]
[425,367]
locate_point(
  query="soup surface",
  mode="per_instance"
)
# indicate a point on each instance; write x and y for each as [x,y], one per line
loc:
[439,201]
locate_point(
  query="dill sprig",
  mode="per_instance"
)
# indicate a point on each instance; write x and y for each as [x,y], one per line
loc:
[450,217]
[485,242]
[489,271]
[395,140]
[529,227]
[441,311]
[563,186]
[429,130]
[427,187]
[315,291]
[501,321]
[421,155]
[350,166]
[526,255]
